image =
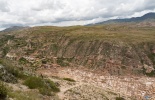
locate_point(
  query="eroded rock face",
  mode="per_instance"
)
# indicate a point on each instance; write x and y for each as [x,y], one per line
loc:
[115,57]
[6,76]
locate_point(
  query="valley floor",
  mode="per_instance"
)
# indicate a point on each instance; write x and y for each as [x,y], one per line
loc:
[93,85]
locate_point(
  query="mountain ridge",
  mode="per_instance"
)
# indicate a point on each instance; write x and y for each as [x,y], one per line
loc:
[147,17]
[14,28]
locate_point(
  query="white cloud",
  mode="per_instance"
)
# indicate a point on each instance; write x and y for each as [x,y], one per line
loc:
[3,6]
[68,12]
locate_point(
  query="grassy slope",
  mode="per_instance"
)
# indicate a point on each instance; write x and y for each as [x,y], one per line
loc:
[125,33]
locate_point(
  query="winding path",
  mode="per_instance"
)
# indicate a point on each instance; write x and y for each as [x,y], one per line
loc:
[61,94]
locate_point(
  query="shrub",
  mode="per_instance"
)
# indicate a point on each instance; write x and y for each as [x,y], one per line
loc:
[45,91]
[53,86]
[45,87]
[62,62]
[120,98]
[123,67]
[10,68]
[3,91]
[22,60]
[34,82]
[5,50]
[69,79]
[151,74]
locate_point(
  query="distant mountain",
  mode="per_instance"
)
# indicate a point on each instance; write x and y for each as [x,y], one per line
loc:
[146,17]
[14,28]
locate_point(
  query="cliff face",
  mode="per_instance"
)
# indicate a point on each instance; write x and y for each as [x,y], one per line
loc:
[116,58]
[117,50]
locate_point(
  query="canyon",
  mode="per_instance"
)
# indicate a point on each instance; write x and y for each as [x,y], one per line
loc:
[105,61]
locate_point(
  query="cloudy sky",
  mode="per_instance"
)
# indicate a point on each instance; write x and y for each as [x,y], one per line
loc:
[69,12]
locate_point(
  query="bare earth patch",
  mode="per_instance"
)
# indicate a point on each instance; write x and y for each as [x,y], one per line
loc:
[89,82]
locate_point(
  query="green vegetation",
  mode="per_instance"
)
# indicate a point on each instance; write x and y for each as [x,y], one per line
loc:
[54,47]
[9,37]
[20,42]
[3,91]
[22,60]
[120,98]
[123,67]
[151,74]
[45,91]
[52,85]
[12,69]
[34,82]
[5,38]
[152,57]
[69,79]
[45,86]
[24,95]
[114,32]
[30,95]
[5,50]
[62,61]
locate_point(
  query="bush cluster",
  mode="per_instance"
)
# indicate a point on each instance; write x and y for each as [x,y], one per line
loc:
[3,91]
[44,86]
[10,68]
[69,79]
[120,98]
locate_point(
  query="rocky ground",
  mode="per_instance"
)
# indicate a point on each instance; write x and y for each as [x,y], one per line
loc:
[81,83]
[91,85]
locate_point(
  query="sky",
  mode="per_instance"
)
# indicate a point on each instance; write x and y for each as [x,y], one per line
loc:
[69,12]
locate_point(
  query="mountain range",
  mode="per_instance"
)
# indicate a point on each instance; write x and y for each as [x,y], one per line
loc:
[149,17]
[14,28]
[145,20]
